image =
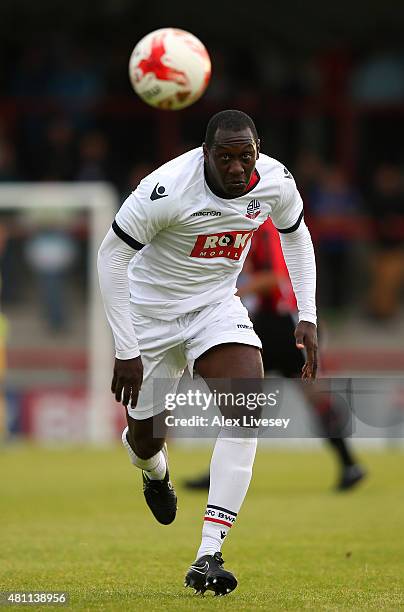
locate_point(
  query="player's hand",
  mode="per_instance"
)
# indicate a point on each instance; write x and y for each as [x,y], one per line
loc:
[306,338]
[127,380]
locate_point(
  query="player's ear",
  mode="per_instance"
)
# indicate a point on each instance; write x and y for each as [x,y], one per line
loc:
[258,147]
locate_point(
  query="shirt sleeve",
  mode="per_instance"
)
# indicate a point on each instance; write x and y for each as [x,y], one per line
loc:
[287,214]
[148,210]
[113,260]
[298,252]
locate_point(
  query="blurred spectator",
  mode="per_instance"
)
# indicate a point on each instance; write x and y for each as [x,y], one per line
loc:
[265,289]
[3,334]
[220,86]
[309,175]
[275,318]
[136,174]
[93,157]
[334,66]
[386,205]
[8,162]
[31,74]
[334,206]
[51,253]
[57,161]
[77,81]
[379,78]
[285,74]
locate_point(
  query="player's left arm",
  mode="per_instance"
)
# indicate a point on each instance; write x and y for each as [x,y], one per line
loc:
[299,256]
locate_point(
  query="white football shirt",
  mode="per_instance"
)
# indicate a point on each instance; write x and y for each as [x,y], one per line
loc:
[191,243]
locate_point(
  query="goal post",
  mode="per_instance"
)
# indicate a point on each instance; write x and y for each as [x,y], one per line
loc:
[100,201]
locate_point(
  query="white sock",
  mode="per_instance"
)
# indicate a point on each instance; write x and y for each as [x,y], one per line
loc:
[155,467]
[230,475]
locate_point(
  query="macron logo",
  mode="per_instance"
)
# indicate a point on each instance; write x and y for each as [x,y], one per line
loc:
[158,193]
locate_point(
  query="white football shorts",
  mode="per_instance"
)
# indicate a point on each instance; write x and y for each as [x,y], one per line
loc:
[168,347]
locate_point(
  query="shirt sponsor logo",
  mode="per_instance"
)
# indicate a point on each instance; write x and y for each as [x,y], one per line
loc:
[207,213]
[227,244]
[253,209]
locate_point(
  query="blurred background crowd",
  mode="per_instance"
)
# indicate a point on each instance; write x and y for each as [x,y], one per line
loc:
[327,96]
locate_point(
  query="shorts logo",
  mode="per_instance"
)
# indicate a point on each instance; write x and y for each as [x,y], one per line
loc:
[227,244]
[253,209]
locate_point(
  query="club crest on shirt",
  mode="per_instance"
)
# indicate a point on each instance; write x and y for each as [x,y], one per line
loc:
[253,209]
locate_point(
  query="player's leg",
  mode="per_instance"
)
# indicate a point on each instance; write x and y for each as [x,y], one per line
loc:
[331,416]
[163,363]
[230,468]
[198,483]
[234,451]
[328,413]
[144,449]
[266,326]
[149,453]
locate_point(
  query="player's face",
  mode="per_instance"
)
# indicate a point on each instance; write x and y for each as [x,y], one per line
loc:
[230,161]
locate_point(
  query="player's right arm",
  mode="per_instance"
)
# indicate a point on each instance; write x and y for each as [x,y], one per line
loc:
[114,256]
[139,219]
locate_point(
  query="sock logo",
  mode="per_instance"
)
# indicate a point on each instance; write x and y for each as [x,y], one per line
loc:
[217,514]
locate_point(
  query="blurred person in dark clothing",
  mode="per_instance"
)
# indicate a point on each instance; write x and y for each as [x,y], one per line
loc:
[31,71]
[379,77]
[386,206]
[274,321]
[77,80]
[93,157]
[334,205]
[8,162]
[309,173]
[57,160]
[50,252]
[3,337]
[137,173]
[9,261]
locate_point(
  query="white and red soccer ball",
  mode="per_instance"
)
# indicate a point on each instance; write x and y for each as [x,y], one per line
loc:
[169,69]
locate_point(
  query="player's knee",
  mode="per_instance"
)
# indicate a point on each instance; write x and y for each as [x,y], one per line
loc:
[146,448]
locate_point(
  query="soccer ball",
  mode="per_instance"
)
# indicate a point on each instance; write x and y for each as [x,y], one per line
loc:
[169,69]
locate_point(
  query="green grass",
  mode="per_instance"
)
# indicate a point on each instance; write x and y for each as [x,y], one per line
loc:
[75,520]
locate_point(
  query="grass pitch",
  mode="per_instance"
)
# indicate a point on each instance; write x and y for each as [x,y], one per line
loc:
[75,520]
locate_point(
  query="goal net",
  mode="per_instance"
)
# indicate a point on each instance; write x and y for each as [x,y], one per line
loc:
[59,354]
